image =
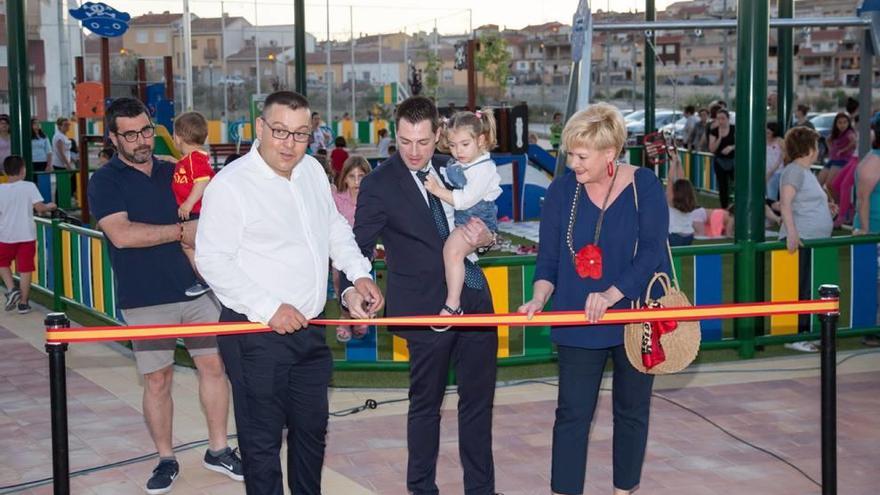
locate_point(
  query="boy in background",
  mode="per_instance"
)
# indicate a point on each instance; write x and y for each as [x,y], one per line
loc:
[18,234]
[191,176]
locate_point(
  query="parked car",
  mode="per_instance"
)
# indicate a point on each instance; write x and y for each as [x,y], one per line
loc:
[677,128]
[640,115]
[823,123]
[634,129]
[661,118]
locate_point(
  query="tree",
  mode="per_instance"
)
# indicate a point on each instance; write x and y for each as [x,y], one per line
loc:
[432,73]
[493,60]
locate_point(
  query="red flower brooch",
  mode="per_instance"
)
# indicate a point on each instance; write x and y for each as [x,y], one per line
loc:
[588,262]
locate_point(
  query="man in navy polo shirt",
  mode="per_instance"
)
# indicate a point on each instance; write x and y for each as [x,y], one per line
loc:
[131,199]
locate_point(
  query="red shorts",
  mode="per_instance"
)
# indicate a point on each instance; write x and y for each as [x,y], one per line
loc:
[22,252]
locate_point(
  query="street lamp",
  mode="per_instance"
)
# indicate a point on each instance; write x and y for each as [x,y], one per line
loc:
[543,82]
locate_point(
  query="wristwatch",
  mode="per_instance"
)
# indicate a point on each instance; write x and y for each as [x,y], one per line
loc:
[485,249]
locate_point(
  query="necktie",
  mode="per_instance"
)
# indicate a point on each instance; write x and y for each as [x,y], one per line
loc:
[473,275]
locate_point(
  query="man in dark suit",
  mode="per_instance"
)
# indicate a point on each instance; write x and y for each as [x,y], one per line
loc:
[393,205]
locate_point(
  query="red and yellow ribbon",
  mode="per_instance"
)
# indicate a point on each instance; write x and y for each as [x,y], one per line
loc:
[551,318]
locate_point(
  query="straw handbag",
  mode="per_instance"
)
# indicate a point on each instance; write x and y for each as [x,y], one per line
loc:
[658,348]
[662,347]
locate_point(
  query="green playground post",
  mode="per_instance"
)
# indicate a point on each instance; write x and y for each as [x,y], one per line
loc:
[785,68]
[753,28]
[650,75]
[19,101]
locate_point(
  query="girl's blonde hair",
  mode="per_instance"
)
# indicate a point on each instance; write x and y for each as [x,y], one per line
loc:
[479,123]
[599,127]
[351,163]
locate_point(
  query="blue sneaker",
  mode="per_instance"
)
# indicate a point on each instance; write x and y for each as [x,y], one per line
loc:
[228,463]
[163,477]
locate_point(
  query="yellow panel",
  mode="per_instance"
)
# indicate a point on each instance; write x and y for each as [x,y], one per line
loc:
[498,284]
[3,178]
[783,287]
[215,134]
[347,127]
[247,132]
[97,275]
[401,353]
[65,257]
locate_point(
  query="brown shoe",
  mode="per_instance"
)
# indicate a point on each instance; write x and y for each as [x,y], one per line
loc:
[871,340]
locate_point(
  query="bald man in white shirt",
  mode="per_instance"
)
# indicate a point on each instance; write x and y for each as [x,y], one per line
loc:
[268,226]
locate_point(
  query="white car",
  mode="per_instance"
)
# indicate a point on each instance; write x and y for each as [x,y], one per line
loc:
[661,118]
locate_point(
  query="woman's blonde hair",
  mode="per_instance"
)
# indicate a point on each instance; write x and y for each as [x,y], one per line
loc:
[600,127]
[351,163]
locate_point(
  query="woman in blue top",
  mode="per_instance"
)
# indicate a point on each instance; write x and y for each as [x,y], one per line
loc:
[621,209]
[867,219]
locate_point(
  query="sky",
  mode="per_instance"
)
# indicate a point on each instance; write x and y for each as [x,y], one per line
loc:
[378,16]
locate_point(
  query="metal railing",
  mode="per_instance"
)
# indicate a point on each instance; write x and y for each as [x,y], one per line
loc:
[73,268]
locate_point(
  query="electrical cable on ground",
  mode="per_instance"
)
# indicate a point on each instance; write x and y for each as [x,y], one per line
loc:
[374,404]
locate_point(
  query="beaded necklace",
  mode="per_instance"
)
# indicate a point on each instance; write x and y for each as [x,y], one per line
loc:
[588,260]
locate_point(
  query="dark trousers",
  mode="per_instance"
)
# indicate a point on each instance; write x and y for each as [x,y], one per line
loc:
[724,178]
[472,351]
[580,374]
[680,239]
[277,381]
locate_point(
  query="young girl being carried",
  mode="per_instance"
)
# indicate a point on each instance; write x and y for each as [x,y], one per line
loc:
[469,137]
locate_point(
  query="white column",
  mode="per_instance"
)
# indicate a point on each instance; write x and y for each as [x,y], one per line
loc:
[187,57]
[225,121]
[353,71]
[328,73]
[257,49]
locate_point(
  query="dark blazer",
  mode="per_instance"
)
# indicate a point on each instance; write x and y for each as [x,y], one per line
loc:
[391,207]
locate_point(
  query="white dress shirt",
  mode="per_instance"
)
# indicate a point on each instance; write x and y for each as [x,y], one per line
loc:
[264,240]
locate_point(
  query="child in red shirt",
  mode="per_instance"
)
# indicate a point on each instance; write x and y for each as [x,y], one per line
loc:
[191,176]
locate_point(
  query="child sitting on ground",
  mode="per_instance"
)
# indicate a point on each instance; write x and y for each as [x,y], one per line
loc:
[469,137]
[685,217]
[18,234]
[191,176]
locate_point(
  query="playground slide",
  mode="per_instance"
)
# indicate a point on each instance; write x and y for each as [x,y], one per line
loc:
[540,157]
[524,184]
[164,145]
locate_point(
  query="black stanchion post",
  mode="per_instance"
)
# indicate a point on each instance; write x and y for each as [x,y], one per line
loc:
[829,392]
[58,398]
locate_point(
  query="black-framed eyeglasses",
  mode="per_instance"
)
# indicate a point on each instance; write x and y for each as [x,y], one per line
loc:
[283,134]
[132,136]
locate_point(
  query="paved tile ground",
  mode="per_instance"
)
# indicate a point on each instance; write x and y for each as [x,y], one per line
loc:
[366,452]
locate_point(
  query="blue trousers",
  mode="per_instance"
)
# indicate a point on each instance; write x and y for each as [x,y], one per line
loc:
[580,375]
[279,381]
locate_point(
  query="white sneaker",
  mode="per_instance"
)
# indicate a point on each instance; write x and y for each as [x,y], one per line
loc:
[802,346]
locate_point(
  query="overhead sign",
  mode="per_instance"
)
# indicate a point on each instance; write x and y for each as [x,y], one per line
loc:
[580,25]
[102,19]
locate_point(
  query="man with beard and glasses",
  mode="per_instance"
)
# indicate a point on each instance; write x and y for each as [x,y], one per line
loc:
[132,200]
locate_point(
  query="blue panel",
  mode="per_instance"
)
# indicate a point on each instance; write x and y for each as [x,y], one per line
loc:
[504,202]
[707,290]
[44,185]
[532,200]
[863,309]
[366,348]
[85,270]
